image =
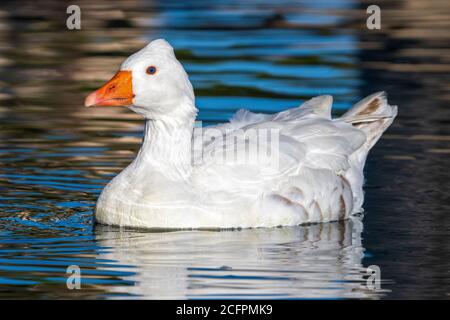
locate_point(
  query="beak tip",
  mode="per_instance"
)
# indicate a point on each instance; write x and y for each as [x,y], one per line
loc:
[90,100]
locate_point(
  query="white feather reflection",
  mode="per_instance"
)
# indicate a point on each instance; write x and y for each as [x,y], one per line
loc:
[316,261]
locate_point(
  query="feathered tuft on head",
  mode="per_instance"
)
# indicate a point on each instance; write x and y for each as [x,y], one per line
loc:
[160,44]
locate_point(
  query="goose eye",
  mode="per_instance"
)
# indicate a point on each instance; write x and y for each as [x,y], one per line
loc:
[151,70]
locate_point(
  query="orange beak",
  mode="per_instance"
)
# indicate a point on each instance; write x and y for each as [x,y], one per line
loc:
[116,92]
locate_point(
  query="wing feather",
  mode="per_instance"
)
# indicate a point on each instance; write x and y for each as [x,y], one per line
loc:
[307,138]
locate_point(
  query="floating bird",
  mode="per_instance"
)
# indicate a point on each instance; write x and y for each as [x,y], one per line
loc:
[310,168]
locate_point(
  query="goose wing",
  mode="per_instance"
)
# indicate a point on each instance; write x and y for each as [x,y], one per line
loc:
[275,146]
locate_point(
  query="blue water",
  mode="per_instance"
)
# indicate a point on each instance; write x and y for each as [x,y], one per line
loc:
[56,155]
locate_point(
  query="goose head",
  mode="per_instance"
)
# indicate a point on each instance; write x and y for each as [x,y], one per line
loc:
[151,82]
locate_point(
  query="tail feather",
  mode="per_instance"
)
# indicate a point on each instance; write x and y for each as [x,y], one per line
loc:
[373,115]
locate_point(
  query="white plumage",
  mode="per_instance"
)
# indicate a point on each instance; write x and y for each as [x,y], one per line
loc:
[180,181]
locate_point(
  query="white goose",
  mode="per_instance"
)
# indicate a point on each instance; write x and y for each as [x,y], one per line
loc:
[318,176]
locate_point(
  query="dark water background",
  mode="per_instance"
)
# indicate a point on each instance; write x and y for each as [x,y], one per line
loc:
[56,155]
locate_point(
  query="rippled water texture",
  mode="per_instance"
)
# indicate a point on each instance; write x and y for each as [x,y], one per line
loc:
[56,155]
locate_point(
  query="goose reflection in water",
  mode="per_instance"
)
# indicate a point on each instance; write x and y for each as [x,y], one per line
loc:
[315,261]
